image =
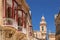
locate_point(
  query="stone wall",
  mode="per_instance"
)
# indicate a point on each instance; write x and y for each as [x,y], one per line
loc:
[8,33]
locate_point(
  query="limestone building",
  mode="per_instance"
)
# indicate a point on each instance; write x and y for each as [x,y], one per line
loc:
[57,23]
[42,34]
[15,20]
[51,36]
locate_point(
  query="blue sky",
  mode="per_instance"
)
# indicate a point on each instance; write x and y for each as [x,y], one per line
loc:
[48,8]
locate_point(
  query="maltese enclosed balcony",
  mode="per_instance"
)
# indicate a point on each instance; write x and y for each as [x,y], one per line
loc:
[10,22]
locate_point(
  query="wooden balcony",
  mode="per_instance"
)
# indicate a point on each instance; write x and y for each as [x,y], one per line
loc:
[10,22]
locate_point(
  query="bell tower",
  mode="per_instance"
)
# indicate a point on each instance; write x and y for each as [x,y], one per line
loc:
[43,25]
[43,28]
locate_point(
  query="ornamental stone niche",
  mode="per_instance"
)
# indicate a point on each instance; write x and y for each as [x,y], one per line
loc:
[8,33]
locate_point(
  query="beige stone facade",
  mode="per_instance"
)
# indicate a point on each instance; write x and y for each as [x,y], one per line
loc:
[9,33]
[15,20]
[57,23]
[42,34]
[51,36]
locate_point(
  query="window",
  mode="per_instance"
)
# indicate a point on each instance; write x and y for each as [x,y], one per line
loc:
[42,28]
[24,20]
[15,10]
[21,18]
[8,8]
[9,2]
[10,11]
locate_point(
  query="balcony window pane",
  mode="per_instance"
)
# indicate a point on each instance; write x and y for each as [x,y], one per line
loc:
[9,8]
[9,12]
[20,13]
[20,18]
[9,2]
[15,5]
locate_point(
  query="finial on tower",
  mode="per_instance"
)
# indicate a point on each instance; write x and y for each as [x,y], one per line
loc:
[43,17]
[43,20]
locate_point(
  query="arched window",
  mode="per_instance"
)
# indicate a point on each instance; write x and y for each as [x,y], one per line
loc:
[9,11]
[8,8]
[42,28]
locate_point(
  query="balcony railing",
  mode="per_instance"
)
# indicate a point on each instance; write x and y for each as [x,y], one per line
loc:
[10,22]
